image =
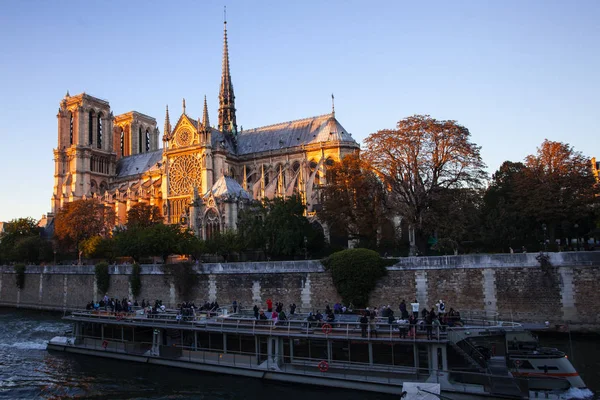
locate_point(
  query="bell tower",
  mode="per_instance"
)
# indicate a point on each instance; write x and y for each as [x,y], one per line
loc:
[84,158]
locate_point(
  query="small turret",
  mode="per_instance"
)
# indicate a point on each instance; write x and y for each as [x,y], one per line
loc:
[205,121]
[167,131]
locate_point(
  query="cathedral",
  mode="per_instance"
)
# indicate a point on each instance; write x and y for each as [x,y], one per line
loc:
[202,175]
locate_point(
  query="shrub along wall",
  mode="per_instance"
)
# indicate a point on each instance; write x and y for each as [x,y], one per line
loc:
[516,287]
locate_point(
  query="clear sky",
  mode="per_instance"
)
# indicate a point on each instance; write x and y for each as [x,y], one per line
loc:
[513,72]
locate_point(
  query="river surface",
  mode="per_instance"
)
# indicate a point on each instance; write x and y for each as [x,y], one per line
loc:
[28,371]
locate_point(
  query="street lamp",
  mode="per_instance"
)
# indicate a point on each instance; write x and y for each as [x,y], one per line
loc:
[544,228]
[305,248]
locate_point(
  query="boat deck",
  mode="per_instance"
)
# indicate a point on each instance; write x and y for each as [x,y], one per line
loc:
[345,327]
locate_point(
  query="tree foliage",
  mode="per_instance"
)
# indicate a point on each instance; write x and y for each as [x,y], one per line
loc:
[20,275]
[418,160]
[142,215]
[82,219]
[135,280]
[354,198]
[102,277]
[553,195]
[355,273]
[185,279]
[278,227]
[21,241]
[154,240]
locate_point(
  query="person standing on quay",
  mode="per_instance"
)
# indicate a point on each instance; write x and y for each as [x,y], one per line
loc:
[415,309]
[269,305]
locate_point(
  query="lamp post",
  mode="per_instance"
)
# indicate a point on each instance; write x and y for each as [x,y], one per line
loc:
[305,248]
[54,256]
[545,228]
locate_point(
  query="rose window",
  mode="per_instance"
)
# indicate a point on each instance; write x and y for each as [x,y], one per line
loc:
[184,175]
[184,138]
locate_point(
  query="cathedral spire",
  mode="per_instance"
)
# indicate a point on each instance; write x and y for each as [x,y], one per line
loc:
[205,121]
[167,131]
[227,122]
[332,106]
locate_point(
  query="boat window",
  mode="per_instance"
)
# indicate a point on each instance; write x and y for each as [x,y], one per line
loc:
[215,341]
[203,340]
[340,351]
[548,368]
[383,353]
[423,356]
[286,350]
[248,344]
[522,364]
[188,339]
[359,352]
[318,349]
[403,355]
[233,343]
[301,348]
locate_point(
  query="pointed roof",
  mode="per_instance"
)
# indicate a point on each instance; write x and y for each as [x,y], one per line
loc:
[205,122]
[227,120]
[167,130]
[323,128]
[227,189]
[226,87]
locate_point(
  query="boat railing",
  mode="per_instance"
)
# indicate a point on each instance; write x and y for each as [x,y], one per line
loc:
[297,325]
[328,366]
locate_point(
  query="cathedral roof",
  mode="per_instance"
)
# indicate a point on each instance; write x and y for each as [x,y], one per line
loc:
[324,128]
[226,188]
[138,163]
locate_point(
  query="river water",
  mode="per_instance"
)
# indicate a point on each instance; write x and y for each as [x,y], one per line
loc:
[28,371]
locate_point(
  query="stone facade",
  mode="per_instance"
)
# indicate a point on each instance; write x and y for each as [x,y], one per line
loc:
[517,289]
[202,176]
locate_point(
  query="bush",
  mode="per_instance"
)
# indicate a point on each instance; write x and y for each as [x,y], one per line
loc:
[184,278]
[135,280]
[355,273]
[20,275]
[102,277]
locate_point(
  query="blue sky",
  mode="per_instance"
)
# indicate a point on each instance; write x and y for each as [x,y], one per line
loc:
[513,72]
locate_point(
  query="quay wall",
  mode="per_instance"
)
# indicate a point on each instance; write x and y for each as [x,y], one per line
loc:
[513,285]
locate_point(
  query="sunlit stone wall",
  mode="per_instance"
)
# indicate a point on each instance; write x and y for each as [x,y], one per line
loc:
[512,286]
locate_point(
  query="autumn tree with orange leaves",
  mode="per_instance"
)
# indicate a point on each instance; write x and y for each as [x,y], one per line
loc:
[354,198]
[81,220]
[420,160]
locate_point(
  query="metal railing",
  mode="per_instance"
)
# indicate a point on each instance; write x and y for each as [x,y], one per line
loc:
[374,373]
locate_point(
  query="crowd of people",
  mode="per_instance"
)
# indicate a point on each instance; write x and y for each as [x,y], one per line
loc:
[408,323]
[410,320]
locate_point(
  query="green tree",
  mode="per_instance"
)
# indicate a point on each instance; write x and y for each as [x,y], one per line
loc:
[456,220]
[32,249]
[355,273]
[98,247]
[504,224]
[164,240]
[225,244]
[418,159]
[143,215]
[80,220]
[561,190]
[15,231]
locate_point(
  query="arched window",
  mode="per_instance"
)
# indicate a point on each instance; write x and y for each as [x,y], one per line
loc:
[122,142]
[71,129]
[90,127]
[99,131]
[140,140]
[212,224]
[147,140]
